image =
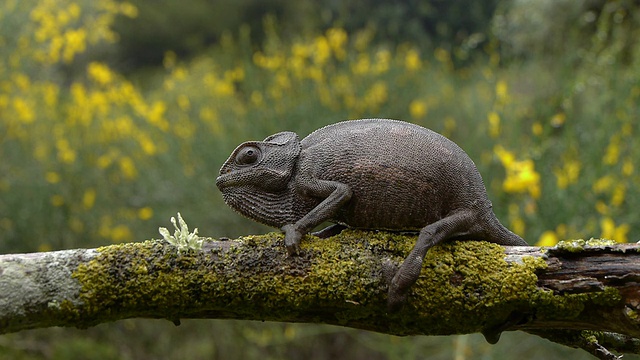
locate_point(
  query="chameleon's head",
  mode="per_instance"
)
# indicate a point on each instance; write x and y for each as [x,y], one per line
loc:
[255,179]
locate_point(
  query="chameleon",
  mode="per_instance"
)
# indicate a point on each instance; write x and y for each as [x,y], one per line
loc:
[368,174]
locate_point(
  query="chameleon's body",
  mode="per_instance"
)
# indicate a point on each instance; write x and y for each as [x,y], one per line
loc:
[370,174]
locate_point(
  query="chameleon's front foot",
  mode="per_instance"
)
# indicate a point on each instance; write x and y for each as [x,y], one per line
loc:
[292,237]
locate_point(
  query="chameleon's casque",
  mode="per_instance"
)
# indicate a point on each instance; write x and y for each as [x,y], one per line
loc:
[370,174]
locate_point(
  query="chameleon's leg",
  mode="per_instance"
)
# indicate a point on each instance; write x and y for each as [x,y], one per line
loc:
[335,194]
[430,235]
[329,231]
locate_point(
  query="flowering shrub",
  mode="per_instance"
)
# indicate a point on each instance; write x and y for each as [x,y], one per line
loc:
[90,157]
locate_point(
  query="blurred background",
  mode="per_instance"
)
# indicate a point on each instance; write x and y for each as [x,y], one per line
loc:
[116,115]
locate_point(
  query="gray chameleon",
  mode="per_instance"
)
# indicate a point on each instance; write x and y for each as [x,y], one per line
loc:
[368,174]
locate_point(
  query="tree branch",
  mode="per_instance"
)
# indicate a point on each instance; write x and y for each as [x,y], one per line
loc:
[579,294]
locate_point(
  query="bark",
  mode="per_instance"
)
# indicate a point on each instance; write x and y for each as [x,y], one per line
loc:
[581,294]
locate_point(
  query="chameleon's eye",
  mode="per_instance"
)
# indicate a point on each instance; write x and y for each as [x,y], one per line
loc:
[248,155]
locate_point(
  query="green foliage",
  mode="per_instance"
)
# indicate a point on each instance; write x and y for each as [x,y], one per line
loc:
[144,40]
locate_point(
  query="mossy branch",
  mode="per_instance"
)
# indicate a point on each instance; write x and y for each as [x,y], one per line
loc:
[580,294]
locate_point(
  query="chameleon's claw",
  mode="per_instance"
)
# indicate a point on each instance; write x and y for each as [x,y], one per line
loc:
[395,297]
[389,270]
[292,239]
[395,302]
[293,250]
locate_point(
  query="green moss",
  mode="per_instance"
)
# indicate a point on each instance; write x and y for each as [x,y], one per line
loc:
[579,245]
[631,314]
[468,286]
[569,306]
[571,245]
[123,276]
[465,286]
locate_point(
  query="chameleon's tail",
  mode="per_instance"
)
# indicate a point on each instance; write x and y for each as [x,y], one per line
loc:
[499,234]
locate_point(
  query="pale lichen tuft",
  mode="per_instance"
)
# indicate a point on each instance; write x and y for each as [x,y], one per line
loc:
[182,238]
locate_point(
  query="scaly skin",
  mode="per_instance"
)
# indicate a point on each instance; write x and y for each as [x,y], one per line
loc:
[369,174]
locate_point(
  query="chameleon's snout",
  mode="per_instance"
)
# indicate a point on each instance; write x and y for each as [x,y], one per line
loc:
[221,181]
[223,178]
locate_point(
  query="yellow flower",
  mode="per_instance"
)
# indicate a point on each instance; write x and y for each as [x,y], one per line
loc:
[548,238]
[128,168]
[494,124]
[52,177]
[24,111]
[100,73]
[613,232]
[521,176]
[558,120]
[412,60]
[179,73]
[269,63]
[234,75]
[65,153]
[128,9]
[224,88]
[537,128]
[376,96]
[121,233]
[22,81]
[155,115]
[502,92]
[75,43]
[51,93]
[518,226]
[618,195]
[568,174]
[627,167]
[337,37]
[322,50]
[282,80]
[105,160]
[417,109]
[602,208]
[74,11]
[505,156]
[361,65]
[603,184]
[524,178]
[89,198]
[613,151]
[148,146]
[381,65]
[300,51]
[145,213]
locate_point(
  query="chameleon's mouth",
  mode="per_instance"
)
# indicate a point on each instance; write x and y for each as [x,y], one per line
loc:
[224,181]
[228,177]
